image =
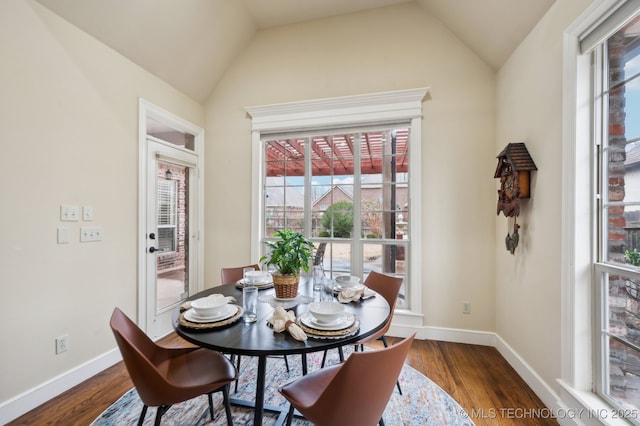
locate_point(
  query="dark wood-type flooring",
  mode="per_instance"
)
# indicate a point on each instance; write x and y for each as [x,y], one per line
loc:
[477,377]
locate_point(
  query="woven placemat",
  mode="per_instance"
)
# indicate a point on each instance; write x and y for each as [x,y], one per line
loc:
[330,334]
[209,325]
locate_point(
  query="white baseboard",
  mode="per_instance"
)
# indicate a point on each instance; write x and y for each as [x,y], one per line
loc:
[32,398]
[456,335]
[554,403]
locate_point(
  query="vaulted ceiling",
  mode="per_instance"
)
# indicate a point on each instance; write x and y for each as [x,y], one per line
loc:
[190,43]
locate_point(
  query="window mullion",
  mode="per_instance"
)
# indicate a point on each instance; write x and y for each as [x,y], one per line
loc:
[357,248]
[308,207]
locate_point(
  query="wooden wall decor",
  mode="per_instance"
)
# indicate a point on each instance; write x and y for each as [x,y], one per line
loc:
[514,171]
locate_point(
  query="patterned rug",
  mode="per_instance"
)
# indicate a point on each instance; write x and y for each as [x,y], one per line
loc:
[422,403]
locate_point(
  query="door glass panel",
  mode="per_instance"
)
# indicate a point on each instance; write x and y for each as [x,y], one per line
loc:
[172,242]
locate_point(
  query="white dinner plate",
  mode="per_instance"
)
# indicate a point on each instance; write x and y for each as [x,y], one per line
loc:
[285,299]
[227,312]
[345,320]
[339,288]
[260,286]
[259,283]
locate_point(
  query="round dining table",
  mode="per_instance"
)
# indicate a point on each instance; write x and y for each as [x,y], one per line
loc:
[260,340]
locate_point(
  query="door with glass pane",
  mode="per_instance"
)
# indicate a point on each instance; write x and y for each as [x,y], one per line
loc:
[171,246]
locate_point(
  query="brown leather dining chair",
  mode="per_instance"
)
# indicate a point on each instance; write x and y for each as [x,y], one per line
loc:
[355,392]
[232,275]
[165,376]
[388,287]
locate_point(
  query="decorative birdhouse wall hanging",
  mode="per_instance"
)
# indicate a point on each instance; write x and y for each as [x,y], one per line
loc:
[514,171]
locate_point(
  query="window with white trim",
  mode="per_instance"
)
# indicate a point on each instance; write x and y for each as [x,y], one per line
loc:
[345,173]
[614,46]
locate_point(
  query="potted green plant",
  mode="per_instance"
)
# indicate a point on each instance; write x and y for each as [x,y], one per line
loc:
[632,257]
[289,254]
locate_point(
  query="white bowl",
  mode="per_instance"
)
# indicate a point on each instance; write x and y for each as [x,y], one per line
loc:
[209,306]
[259,277]
[346,281]
[326,312]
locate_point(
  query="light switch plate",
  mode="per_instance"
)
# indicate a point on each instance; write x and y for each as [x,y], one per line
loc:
[87,213]
[69,213]
[63,235]
[90,233]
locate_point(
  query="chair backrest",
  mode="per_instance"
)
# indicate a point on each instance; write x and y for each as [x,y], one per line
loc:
[140,355]
[388,287]
[360,391]
[232,275]
[319,256]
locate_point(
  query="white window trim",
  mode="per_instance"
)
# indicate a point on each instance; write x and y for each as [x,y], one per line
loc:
[577,296]
[349,111]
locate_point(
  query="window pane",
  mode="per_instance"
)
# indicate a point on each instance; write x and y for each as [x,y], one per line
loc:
[166,239]
[621,154]
[337,259]
[161,130]
[388,259]
[624,374]
[284,157]
[622,321]
[331,181]
[172,244]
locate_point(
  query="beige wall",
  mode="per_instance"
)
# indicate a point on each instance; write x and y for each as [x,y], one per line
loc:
[386,49]
[69,135]
[529,99]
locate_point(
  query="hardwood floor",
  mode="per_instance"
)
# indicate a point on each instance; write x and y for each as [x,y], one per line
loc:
[477,377]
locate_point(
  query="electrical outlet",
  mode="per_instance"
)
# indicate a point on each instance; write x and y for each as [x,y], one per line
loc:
[466,307]
[62,344]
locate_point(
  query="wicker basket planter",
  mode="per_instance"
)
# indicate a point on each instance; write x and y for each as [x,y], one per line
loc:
[286,286]
[290,253]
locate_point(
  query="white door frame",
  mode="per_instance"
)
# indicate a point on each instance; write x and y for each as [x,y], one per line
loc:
[147,109]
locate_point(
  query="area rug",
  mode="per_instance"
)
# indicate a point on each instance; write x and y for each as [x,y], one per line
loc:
[422,402]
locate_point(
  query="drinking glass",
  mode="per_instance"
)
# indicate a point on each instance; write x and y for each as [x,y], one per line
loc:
[327,293]
[250,303]
[318,278]
[248,279]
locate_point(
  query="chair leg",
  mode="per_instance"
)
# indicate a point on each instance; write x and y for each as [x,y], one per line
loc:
[238,370]
[286,363]
[340,355]
[290,415]
[303,361]
[210,397]
[227,405]
[142,415]
[161,410]
[384,342]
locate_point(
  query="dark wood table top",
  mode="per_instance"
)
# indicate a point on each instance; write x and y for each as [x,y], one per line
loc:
[259,339]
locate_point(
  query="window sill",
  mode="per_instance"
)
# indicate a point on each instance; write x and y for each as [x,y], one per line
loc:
[589,409]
